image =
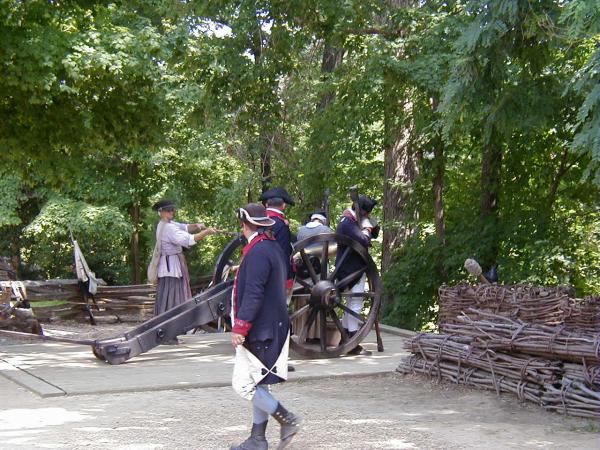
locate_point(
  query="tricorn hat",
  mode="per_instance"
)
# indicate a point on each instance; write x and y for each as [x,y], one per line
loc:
[256,214]
[277,192]
[366,204]
[163,204]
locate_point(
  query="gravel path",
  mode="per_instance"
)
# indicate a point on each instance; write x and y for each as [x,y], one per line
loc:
[380,412]
[389,412]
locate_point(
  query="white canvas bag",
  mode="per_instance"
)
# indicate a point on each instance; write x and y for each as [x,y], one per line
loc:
[153,266]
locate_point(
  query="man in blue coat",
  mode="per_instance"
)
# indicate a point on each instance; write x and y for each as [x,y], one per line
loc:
[261,327]
[362,233]
[277,200]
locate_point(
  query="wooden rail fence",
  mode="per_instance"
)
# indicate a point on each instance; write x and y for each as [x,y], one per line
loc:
[116,303]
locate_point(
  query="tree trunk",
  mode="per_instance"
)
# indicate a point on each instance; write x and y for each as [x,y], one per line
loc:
[264,142]
[438,191]
[266,177]
[546,213]
[439,168]
[136,274]
[491,167]
[319,157]
[563,168]
[401,168]
[332,59]
[401,162]
[134,214]
[15,259]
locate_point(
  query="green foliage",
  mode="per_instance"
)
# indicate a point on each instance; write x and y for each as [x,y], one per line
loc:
[11,191]
[208,186]
[504,77]
[587,138]
[106,108]
[78,79]
[412,284]
[568,253]
[101,231]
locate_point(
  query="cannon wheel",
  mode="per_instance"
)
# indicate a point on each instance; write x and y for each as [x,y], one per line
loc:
[229,257]
[320,300]
[97,354]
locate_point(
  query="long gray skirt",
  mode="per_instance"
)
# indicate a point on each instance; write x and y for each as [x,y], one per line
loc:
[172,291]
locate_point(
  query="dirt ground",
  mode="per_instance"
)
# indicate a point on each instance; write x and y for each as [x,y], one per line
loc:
[381,412]
[388,412]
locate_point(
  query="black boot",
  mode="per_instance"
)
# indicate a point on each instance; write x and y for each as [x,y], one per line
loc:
[290,425]
[256,441]
[359,349]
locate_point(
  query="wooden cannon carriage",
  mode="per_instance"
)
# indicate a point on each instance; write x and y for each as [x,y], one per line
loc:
[319,299]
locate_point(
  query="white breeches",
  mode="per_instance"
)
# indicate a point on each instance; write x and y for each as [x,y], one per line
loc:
[356,304]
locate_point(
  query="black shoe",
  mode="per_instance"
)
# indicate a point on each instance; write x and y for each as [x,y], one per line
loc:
[359,350]
[256,441]
[290,425]
[291,368]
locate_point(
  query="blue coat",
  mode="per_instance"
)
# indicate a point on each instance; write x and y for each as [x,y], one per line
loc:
[348,226]
[283,236]
[261,302]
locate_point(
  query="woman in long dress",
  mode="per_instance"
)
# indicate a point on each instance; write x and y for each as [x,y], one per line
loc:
[173,277]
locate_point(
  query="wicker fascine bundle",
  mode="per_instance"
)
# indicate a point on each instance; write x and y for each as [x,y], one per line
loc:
[460,351]
[526,302]
[501,333]
[474,359]
[566,396]
[538,343]
[473,377]
[583,313]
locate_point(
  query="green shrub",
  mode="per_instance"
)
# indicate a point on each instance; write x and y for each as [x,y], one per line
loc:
[103,233]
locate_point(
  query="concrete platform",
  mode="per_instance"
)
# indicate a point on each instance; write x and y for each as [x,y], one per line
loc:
[205,360]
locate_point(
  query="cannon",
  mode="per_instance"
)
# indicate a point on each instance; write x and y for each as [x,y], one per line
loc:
[203,308]
[319,298]
[317,302]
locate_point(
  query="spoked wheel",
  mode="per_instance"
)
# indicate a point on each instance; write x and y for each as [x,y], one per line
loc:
[321,298]
[229,257]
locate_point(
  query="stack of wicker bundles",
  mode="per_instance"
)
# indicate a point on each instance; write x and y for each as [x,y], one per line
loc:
[537,343]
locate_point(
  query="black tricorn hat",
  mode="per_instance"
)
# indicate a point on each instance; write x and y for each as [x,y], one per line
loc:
[163,205]
[366,204]
[277,192]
